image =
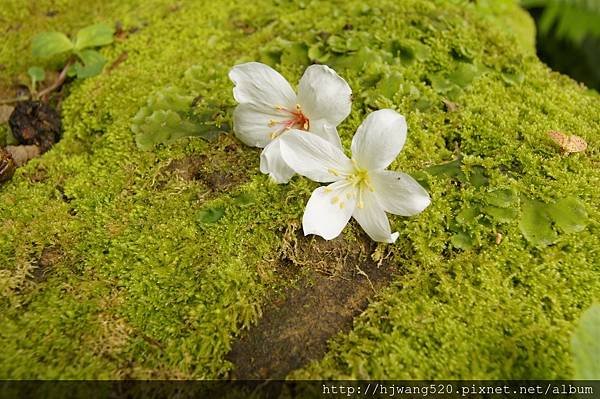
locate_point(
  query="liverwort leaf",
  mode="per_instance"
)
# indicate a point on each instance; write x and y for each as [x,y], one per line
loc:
[502,198]
[535,224]
[503,215]
[464,74]
[569,215]
[467,215]
[451,169]
[209,215]
[295,54]
[462,241]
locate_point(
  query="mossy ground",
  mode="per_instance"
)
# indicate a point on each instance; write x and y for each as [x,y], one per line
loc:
[106,270]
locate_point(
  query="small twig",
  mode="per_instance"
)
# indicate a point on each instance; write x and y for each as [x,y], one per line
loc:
[58,82]
[362,273]
[13,100]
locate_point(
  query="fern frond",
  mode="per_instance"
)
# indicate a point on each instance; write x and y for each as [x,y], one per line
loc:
[569,19]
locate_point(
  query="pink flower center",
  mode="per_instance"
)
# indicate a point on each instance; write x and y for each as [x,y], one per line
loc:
[293,119]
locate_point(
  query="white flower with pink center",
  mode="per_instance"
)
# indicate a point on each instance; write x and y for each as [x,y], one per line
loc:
[269,108]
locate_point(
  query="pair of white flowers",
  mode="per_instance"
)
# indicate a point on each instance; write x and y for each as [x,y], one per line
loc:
[298,134]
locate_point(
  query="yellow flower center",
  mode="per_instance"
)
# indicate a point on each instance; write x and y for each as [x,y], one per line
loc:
[359,180]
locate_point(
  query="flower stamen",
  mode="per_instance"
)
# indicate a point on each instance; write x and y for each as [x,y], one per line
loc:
[294,119]
[360,181]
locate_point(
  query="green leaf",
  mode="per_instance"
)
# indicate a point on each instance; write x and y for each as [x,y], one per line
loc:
[569,215]
[467,215]
[503,215]
[477,176]
[337,44]
[37,74]
[72,71]
[422,51]
[450,169]
[94,36]
[160,127]
[295,54]
[535,224]
[423,104]
[389,85]
[585,345]
[464,74]
[93,63]
[243,200]
[440,83]
[462,241]
[353,44]
[170,98]
[168,116]
[317,53]
[47,44]
[512,78]
[210,215]
[502,198]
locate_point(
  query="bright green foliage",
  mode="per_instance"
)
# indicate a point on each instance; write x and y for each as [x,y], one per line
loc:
[47,44]
[536,225]
[91,65]
[568,214]
[94,36]
[91,62]
[574,19]
[113,263]
[168,116]
[37,75]
[586,345]
[210,215]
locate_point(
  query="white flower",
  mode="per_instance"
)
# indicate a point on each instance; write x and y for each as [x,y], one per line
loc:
[361,187]
[268,108]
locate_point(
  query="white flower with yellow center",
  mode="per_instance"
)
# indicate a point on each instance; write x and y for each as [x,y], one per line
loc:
[361,187]
[268,108]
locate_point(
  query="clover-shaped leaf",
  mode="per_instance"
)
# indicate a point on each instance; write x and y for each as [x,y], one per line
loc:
[47,44]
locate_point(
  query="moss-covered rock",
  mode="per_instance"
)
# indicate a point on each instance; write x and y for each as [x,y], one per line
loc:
[122,263]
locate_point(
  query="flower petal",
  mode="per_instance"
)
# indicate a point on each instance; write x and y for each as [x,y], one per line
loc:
[379,139]
[323,94]
[251,124]
[373,220]
[272,163]
[311,156]
[260,84]
[399,193]
[326,131]
[328,210]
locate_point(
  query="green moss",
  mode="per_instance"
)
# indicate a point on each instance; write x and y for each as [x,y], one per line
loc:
[137,288]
